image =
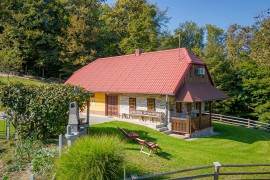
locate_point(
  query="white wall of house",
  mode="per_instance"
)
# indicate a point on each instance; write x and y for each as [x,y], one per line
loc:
[160,103]
[141,102]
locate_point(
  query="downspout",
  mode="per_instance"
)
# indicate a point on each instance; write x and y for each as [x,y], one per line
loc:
[166,111]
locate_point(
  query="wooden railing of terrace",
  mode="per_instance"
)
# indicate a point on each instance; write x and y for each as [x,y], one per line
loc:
[180,125]
[199,123]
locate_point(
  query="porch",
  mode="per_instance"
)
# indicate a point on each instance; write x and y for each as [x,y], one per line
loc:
[195,97]
[184,126]
[195,118]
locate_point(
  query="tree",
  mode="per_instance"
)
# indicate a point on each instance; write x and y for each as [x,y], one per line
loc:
[238,43]
[10,60]
[10,54]
[135,24]
[257,82]
[34,26]
[191,37]
[167,40]
[80,41]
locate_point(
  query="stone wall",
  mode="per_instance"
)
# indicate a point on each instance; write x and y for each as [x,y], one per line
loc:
[141,102]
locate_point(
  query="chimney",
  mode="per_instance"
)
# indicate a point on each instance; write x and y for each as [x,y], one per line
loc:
[138,52]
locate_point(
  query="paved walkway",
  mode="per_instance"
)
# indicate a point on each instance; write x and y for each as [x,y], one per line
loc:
[97,119]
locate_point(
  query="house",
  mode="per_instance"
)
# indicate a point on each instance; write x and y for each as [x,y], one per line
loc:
[170,86]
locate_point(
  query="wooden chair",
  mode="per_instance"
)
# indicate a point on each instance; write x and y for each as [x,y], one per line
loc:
[128,134]
[149,145]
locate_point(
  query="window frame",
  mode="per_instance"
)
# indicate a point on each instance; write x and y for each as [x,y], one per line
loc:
[177,107]
[154,104]
[135,103]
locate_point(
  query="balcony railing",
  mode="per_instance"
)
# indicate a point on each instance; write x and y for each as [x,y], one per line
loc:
[181,125]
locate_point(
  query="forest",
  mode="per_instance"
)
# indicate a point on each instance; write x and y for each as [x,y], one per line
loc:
[53,38]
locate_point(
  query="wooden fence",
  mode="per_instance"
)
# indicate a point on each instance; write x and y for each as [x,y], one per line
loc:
[217,167]
[241,122]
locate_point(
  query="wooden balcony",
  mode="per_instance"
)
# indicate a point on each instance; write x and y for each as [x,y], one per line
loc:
[182,125]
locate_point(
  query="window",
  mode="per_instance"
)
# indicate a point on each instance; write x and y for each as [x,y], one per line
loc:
[132,103]
[197,105]
[179,107]
[150,104]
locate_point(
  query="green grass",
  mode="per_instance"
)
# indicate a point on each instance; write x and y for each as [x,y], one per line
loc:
[3,128]
[234,145]
[22,80]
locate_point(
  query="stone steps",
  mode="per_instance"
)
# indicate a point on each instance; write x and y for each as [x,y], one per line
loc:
[168,132]
[160,125]
[162,129]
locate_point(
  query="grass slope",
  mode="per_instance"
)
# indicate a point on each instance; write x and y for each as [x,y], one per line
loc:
[3,128]
[4,79]
[234,145]
[22,80]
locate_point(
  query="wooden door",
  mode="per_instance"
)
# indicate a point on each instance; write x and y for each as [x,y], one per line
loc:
[112,105]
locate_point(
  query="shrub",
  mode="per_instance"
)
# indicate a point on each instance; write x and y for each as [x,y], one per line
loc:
[98,157]
[32,151]
[42,161]
[40,110]
[24,151]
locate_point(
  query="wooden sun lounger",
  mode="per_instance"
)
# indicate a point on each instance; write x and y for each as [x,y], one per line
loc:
[128,134]
[149,145]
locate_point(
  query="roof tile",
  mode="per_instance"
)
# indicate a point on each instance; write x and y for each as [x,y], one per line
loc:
[157,72]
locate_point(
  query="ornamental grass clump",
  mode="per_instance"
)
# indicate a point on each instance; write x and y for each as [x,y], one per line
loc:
[96,157]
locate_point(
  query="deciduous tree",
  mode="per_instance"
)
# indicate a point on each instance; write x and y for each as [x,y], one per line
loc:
[135,23]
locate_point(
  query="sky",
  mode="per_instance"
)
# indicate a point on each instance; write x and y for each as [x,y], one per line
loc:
[220,13]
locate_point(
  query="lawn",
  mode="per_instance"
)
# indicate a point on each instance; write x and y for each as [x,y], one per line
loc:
[22,80]
[234,145]
[3,128]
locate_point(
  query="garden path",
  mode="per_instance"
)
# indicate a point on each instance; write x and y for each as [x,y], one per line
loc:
[97,119]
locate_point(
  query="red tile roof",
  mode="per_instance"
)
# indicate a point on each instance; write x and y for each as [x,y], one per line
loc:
[159,72]
[198,92]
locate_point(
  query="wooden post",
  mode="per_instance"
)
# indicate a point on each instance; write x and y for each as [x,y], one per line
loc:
[69,133]
[169,113]
[124,171]
[216,173]
[248,123]
[88,109]
[60,144]
[8,130]
[166,111]
[220,118]
[189,116]
[32,177]
[200,115]
[210,109]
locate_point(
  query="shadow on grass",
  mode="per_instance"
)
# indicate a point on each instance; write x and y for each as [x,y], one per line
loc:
[164,155]
[239,133]
[131,169]
[115,131]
